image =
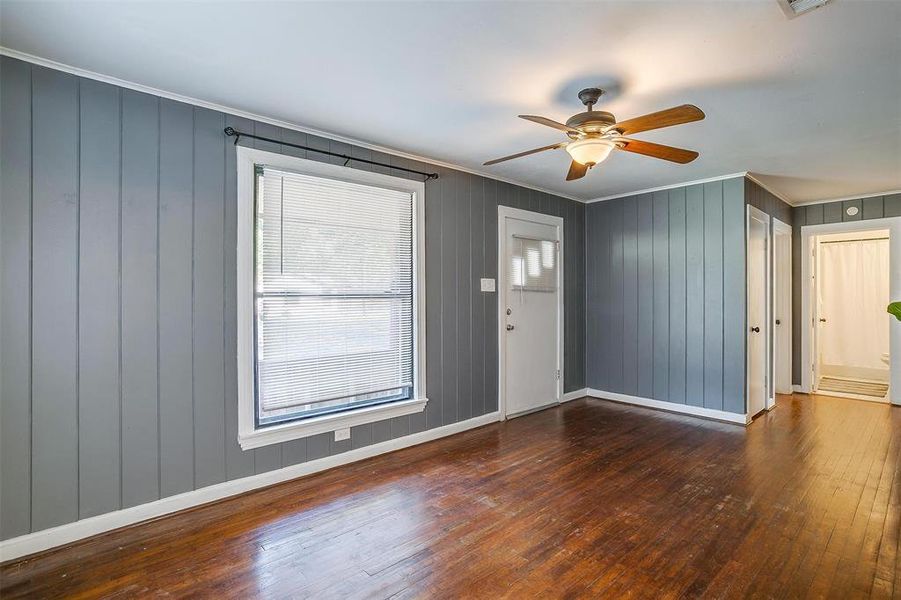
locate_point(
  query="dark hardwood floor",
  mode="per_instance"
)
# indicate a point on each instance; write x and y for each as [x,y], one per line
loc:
[593,499]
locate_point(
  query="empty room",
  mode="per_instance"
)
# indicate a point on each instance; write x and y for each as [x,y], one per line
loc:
[450,299]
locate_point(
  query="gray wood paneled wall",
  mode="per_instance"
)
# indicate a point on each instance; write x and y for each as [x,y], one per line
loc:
[666,295]
[118,284]
[875,207]
[761,198]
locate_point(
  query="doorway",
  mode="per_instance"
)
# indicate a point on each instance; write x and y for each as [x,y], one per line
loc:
[850,343]
[758,310]
[530,320]
[851,337]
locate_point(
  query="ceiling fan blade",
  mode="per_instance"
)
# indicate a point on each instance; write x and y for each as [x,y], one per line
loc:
[526,153]
[665,118]
[676,155]
[549,123]
[576,171]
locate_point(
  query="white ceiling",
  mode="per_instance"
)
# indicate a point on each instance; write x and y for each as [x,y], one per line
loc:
[811,106]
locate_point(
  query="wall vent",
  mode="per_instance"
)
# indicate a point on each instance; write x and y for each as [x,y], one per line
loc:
[794,8]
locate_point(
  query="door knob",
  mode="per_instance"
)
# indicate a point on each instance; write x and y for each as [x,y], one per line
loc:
[778,322]
[822,320]
[509,327]
[755,329]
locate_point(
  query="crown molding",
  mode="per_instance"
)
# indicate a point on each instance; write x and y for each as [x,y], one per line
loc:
[769,189]
[669,187]
[844,198]
[131,85]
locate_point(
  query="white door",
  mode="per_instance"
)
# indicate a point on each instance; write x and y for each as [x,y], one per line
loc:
[816,311]
[531,306]
[758,228]
[782,340]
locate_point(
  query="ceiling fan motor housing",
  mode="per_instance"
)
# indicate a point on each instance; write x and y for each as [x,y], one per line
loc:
[592,121]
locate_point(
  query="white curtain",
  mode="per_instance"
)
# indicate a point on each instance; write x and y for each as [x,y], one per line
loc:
[854,291]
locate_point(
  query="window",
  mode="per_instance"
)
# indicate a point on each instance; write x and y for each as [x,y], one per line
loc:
[329,309]
[533,264]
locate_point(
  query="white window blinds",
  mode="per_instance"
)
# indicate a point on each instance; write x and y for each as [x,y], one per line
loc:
[533,264]
[333,295]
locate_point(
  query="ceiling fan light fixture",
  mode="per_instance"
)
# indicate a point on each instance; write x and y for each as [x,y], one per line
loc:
[590,151]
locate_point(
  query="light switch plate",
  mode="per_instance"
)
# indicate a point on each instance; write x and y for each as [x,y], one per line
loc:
[487,285]
[342,434]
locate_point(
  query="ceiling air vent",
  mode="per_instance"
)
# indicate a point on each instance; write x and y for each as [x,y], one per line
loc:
[794,8]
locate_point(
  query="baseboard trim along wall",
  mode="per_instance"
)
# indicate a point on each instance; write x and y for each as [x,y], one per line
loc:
[65,534]
[696,411]
[574,395]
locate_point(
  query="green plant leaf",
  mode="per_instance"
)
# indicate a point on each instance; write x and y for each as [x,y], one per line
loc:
[894,309]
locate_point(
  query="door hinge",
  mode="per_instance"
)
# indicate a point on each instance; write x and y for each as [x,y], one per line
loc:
[557,374]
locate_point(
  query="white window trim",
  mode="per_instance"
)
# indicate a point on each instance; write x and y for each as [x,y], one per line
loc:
[248,435]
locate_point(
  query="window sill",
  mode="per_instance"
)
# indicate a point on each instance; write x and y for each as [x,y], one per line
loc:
[326,423]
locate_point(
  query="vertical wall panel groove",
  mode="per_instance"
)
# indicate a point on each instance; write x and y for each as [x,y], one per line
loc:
[631,314]
[209,177]
[661,295]
[54,443]
[615,297]
[449,278]
[477,308]
[734,296]
[434,298]
[646,314]
[140,455]
[713,295]
[176,259]
[464,292]
[15,308]
[98,300]
[677,295]
[694,295]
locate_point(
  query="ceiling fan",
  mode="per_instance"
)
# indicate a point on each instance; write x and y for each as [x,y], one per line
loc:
[593,134]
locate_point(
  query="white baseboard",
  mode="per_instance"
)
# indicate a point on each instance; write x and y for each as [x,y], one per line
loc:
[574,395]
[696,411]
[798,389]
[70,532]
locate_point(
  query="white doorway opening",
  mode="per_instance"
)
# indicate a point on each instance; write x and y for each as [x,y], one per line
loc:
[530,310]
[850,344]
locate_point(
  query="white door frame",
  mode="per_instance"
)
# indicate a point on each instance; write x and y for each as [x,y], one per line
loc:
[503,212]
[779,229]
[808,232]
[767,315]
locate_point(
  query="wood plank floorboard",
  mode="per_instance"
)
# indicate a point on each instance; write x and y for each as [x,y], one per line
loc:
[592,499]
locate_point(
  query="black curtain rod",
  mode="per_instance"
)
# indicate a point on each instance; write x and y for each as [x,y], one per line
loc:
[230,131]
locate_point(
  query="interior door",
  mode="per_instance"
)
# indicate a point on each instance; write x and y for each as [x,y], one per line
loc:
[782,363]
[531,304]
[758,229]
[815,312]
